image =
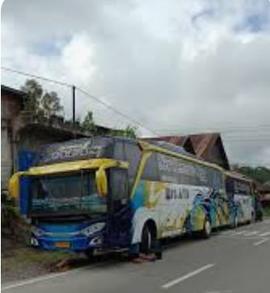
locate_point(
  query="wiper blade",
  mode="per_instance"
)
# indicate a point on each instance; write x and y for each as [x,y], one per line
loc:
[57,214]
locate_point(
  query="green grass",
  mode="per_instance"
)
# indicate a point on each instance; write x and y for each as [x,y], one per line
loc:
[266,211]
[27,256]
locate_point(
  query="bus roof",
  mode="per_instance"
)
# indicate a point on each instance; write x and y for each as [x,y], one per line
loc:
[238,176]
[82,148]
[175,151]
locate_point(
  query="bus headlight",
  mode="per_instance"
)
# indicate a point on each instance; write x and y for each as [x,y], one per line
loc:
[93,229]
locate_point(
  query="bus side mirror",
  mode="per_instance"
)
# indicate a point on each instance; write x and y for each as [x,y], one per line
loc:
[14,185]
[102,182]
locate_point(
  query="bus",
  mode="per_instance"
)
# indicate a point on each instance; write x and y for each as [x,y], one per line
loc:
[241,195]
[112,193]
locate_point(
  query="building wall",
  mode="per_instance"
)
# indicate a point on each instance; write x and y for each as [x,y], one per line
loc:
[6,158]
[32,137]
[10,108]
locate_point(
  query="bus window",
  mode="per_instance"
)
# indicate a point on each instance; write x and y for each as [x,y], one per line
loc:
[242,187]
[119,187]
[216,180]
[229,187]
[133,155]
[119,153]
[150,171]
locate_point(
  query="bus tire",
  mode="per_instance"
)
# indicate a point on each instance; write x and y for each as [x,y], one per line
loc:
[89,253]
[147,240]
[235,223]
[207,229]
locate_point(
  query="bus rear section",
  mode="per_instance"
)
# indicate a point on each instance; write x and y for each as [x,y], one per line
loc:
[175,193]
[240,193]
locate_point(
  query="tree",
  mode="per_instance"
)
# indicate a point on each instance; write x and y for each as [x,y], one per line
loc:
[38,102]
[260,174]
[34,93]
[129,131]
[88,123]
[50,104]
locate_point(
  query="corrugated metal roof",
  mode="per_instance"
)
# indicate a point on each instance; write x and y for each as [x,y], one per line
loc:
[12,91]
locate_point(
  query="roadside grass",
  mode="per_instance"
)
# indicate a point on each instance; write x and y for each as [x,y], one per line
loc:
[18,259]
[266,211]
[29,254]
[27,262]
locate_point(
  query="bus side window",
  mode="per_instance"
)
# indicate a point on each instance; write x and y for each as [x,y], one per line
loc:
[119,187]
[119,152]
[230,187]
[133,156]
[150,171]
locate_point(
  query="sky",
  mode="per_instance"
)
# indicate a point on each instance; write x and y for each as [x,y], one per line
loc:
[175,66]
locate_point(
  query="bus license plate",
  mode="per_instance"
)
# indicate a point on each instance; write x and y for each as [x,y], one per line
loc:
[62,244]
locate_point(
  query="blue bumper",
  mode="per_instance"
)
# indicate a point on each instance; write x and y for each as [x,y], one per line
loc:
[76,244]
[66,237]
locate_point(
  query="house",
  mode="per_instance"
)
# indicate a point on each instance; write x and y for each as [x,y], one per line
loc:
[205,146]
[22,131]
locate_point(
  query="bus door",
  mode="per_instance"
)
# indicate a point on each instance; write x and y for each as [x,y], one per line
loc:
[120,213]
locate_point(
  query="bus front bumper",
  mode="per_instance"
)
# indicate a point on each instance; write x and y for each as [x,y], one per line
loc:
[75,243]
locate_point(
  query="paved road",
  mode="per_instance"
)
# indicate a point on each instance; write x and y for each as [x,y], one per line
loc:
[232,261]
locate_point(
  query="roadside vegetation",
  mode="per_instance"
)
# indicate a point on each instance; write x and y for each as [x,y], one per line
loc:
[19,259]
[259,174]
[45,104]
[266,211]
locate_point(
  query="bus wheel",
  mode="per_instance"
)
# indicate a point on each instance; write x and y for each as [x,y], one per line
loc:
[235,222]
[89,253]
[207,229]
[147,239]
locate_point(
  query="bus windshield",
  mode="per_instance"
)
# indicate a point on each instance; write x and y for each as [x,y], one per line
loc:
[70,193]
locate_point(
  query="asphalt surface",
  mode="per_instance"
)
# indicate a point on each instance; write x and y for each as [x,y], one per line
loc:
[231,261]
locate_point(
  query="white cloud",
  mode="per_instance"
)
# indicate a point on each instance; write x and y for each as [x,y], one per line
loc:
[176,65]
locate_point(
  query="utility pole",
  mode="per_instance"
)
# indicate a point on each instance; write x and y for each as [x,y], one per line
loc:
[73,104]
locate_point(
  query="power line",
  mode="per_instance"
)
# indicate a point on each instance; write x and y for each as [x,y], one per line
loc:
[232,129]
[226,132]
[36,76]
[221,124]
[82,91]
[225,128]
[266,138]
[115,110]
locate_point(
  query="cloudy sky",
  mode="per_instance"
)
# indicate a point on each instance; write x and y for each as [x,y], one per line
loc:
[176,66]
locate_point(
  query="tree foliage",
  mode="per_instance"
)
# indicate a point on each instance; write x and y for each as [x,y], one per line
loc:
[40,102]
[129,131]
[260,174]
[88,123]
[34,94]
[50,104]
